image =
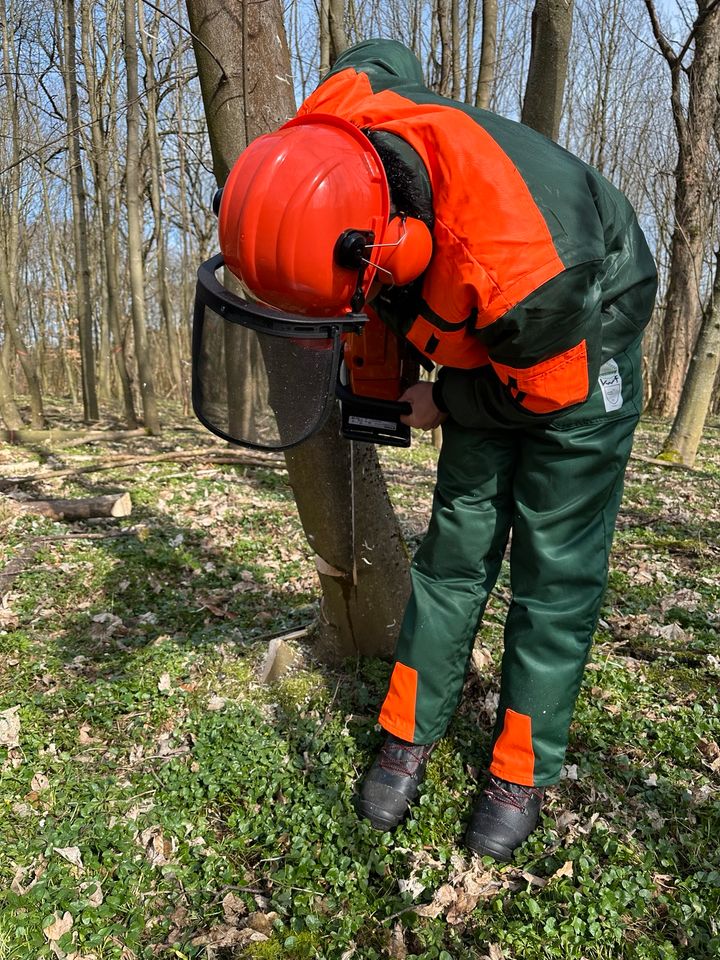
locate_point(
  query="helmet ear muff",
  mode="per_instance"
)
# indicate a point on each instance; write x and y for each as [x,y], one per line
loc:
[405,251]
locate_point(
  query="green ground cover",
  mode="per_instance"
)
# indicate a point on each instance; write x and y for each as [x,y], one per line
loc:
[158,800]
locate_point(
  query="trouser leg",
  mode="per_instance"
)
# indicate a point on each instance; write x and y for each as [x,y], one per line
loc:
[452,574]
[567,492]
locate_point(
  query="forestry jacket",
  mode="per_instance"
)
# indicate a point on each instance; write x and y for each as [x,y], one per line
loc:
[540,272]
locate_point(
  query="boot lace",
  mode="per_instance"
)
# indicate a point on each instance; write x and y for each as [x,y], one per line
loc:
[399,757]
[512,794]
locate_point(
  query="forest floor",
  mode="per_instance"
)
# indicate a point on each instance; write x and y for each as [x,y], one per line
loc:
[158,800]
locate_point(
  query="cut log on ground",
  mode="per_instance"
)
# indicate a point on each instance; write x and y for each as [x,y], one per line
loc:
[110,505]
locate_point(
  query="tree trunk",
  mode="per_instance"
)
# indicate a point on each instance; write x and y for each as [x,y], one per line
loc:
[488,55]
[8,408]
[444,21]
[336,26]
[134,239]
[151,101]
[694,115]
[455,48]
[324,30]
[551,31]
[7,296]
[362,559]
[470,51]
[10,241]
[684,438]
[109,228]
[80,231]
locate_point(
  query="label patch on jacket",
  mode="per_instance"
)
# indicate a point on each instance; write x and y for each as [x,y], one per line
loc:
[610,382]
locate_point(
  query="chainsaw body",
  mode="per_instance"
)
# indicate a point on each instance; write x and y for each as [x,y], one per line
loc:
[377,369]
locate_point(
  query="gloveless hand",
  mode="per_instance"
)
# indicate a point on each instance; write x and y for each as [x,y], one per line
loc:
[425,415]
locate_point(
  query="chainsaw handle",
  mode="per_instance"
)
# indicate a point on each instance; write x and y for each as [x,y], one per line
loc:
[398,408]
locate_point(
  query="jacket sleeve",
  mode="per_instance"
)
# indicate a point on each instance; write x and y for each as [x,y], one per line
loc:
[545,356]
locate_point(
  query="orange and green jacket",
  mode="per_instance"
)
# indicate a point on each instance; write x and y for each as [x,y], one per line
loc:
[540,271]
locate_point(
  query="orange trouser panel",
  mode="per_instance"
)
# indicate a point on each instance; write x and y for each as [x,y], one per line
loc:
[513,758]
[398,711]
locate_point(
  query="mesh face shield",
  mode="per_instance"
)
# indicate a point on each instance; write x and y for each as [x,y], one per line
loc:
[260,377]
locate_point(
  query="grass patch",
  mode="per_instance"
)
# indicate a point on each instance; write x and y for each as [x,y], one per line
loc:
[170,805]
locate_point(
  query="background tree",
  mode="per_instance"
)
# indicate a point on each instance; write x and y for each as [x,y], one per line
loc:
[134,190]
[80,227]
[100,63]
[694,102]
[486,74]
[684,438]
[551,31]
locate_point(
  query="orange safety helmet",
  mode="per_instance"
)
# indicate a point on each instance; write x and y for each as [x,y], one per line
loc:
[305,219]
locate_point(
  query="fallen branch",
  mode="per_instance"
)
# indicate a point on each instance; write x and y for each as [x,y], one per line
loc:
[88,535]
[112,463]
[111,505]
[671,464]
[18,437]
[107,435]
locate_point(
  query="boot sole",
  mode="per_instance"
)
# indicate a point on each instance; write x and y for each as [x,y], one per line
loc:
[486,848]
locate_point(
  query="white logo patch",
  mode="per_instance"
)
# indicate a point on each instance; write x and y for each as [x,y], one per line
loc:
[611,385]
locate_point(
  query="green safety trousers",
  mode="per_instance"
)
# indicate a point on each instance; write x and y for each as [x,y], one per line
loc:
[557,485]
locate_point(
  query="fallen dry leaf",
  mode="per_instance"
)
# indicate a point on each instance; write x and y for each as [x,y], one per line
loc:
[71,854]
[233,908]
[17,885]
[165,683]
[158,849]
[10,727]
[95,898]
[59,927]
[566,870]
[534,880]
[39,783]
[398,950]
[261,922]
[84,734]
[224,935]
[460,895]
[443,898]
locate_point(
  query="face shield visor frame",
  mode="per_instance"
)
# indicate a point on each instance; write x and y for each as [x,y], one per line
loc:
[307,351]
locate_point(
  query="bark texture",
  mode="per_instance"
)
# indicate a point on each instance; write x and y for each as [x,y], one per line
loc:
[488,54]
[545,88]
[684,438]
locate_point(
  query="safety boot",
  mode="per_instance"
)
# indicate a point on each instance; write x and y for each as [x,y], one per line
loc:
[392,782]
[504,817]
